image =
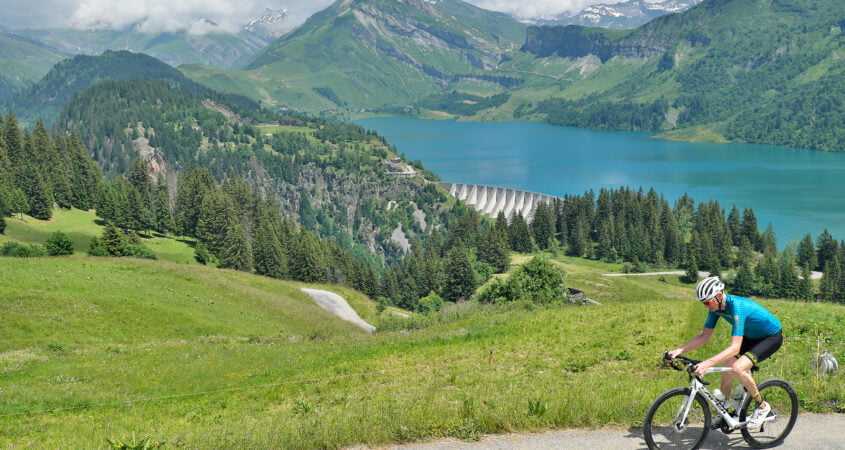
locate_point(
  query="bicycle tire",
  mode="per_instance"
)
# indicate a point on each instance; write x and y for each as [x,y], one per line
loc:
[784,402]
[660,432]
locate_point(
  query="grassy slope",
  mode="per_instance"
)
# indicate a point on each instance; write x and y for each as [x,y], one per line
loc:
[81,226]
[209,358]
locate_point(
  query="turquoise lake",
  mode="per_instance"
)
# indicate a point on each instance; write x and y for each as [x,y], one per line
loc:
[797,191]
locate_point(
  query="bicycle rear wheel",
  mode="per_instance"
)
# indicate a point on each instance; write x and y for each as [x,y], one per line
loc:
[665,427]
[784,402]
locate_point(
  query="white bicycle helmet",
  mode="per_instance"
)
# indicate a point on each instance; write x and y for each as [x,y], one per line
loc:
[708,288]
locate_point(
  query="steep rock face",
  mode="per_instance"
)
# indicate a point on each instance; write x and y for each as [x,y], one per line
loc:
[571,41]
[574,41]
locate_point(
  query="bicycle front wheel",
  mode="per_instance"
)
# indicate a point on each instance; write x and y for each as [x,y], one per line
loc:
[668,423]
[784,402]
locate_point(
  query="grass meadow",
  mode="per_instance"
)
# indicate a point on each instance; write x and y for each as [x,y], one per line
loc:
[104,348]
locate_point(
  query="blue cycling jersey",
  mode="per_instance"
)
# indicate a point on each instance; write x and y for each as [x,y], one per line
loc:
[748,318]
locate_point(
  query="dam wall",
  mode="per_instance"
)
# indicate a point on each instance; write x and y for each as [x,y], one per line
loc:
[490,200]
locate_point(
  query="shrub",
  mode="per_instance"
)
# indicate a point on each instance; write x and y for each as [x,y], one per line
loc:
[96,248]
[59,244]
[22,251]
[141,251]
[430,303]
[538,281]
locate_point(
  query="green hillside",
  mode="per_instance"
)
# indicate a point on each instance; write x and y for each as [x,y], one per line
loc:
[44,99]
[110,348]
[22,63]
[377,54]
[81,227]
[767,72]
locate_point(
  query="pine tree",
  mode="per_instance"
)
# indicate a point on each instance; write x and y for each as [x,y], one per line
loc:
[691,275]
[494,250]
[216,216]
[270,259]
[306,261]
[828,286]
[519,235]
[113,241]
[805,285]
[164,223]
[38,197]
[543,226]
[18,202]
[735,226]
[750,230]
[236,250]
[744,283]
[460,281]
[807,252]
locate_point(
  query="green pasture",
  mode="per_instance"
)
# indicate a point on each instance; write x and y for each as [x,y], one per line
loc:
[97,348]
[81,226]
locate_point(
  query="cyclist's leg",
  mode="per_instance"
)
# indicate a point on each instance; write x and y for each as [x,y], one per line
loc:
[757,351]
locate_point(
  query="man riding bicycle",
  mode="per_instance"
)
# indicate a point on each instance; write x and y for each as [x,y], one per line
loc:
[755,336]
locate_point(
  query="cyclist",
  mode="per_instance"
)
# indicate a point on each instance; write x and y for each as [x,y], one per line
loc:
[755,336]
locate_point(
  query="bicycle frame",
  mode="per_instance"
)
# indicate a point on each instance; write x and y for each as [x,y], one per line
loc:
[697,386]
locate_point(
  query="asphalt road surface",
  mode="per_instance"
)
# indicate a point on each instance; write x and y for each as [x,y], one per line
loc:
[811,432]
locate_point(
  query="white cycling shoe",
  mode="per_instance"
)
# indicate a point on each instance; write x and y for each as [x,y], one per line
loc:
[759,416]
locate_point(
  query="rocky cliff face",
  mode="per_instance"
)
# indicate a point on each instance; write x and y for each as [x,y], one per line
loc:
[571,41]
[574,41]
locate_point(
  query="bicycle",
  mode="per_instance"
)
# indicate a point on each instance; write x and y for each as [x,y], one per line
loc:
[681,417]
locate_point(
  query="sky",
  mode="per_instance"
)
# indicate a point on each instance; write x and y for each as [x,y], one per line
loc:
[203,16]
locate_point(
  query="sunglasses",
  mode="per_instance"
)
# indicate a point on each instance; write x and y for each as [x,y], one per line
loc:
[708,302]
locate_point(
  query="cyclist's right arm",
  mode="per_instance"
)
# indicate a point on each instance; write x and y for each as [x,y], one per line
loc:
[693,344]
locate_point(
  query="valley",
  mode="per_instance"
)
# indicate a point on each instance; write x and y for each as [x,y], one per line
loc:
[169,202]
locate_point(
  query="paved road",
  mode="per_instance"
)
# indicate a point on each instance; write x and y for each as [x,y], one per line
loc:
[811,432]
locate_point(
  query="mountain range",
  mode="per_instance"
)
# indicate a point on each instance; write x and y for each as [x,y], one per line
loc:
[722,70]
[624,15]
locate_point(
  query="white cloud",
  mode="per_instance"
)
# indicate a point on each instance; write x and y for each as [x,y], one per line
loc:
[202,16]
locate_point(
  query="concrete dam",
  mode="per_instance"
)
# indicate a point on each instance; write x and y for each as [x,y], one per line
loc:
[490,200]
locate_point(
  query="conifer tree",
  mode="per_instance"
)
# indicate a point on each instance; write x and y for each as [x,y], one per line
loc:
[216,216]
[826,248]
[18,202]
[805,285]
[305,263]
[735,226]
[543,226]
[494,249]
[236,250]
[40,203]
[744,283]
[830,281]
[749,228]
[807,252]
[270,259]
[113,240]
[519,235]
[691,275]
[459,283]
[164,223]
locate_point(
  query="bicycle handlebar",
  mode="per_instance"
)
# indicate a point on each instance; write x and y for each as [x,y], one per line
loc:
[689,363]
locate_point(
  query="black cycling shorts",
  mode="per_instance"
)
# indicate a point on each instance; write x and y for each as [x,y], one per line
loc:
[758,350]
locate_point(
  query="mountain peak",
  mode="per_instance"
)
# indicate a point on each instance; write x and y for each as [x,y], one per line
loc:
[270,24]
